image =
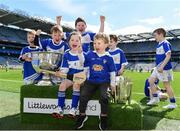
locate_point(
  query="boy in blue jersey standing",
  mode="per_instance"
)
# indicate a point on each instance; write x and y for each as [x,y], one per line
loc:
[118,55]
[163,69]
[80,26]
[29,74]
[73,62]
[100,69]
[56,44]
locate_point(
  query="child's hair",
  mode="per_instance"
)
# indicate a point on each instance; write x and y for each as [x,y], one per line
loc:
[32,32]
[56,28]
[160,31]
[102,36]
[114,37]
[74,33]
[79,19]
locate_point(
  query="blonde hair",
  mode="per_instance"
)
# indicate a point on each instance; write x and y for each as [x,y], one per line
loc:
[32,32]
[102,36]
[75,33]
[56,28]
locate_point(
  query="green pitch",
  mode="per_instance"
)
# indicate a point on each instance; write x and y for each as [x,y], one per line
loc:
[11,81]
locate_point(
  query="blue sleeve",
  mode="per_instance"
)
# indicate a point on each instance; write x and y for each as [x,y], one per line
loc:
[43,43]
[167,47]
[92,35]
[86,62]
[64,62]
[123,58]
[111,65]
[66,47]
[66,35]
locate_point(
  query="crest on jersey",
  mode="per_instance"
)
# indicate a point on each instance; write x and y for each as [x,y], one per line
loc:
[97,67]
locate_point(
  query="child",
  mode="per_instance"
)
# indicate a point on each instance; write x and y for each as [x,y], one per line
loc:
[100,68]
[56,44]
[87,37]
[29,74]
[118,55]
[160,92]
[163,69]
[73,62]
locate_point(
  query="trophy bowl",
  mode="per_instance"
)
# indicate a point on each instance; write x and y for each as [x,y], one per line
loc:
[46,63]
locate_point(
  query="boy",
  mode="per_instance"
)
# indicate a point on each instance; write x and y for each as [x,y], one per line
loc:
[29,74]
[56,44]
[160,92]
[80,26]
[118,55]
[163,69]
[100,69]
[71,64]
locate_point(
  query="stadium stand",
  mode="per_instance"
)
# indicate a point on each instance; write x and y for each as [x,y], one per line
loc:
[139,48]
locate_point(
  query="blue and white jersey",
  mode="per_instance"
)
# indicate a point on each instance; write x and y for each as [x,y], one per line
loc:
[87,38]
[100,68]
[118,57]
[162,49]
[49,45]
[72,63]
[29,72]
[147,86]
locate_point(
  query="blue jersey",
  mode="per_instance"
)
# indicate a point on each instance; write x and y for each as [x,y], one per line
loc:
[101,68]
[29,72]
[118,57]
[146,87]
[87,38]
[72,63]
[49,45]
[162,49]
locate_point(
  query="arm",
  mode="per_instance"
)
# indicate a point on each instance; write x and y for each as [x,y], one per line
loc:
[163,64]
[102,19]
[36,39]
[58,20]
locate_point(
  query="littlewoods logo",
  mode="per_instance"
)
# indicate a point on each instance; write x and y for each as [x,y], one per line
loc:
[40,105]
[48,105]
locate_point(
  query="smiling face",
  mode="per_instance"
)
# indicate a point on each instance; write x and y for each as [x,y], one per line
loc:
[30,38]
[56,36]
[100,45]
[112,44]
[81,27]
[75,42]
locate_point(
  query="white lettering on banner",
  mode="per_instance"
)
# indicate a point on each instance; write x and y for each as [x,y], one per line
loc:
[48,106]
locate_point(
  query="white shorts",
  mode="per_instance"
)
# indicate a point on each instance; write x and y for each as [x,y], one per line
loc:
[165,76]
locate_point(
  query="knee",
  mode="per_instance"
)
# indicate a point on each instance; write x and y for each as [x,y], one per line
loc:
[76,87]
[62,87]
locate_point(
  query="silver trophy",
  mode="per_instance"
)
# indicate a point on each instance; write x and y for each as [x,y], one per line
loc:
[46,63]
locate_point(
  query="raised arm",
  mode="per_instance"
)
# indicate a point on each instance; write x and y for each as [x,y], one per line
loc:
[102,20]
[58,20]
[36,39]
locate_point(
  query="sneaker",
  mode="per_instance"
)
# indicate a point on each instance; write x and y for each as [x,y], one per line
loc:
[72,113]
[80,121]
[58,113]
[170,106]
[153,101]
[103,123]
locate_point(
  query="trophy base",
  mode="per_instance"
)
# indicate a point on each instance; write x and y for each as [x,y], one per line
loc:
[44,83]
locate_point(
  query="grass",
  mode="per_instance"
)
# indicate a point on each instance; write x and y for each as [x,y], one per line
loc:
[11,81]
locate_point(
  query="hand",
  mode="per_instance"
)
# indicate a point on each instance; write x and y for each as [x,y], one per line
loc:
[26,58]
[80,49]
[79,78]
[58,20]
[113,89]
[120,72]
[102,19]
[38,32]
[58,73]
[160,69]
